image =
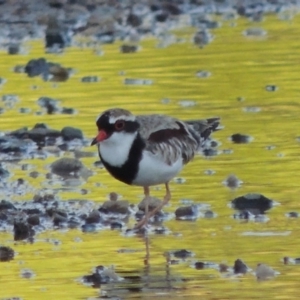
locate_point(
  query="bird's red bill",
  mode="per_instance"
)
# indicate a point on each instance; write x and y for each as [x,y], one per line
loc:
[102,135]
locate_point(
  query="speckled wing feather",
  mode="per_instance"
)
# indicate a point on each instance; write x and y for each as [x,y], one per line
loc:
[169,138]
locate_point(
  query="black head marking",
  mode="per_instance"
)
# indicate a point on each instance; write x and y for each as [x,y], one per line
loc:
[104,123]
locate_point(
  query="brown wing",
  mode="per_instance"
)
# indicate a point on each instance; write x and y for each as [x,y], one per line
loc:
[169,139]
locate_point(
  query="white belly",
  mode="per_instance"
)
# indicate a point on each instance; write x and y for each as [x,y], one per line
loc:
[153,171]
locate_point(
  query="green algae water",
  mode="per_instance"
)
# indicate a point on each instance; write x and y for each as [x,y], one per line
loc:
[241,68]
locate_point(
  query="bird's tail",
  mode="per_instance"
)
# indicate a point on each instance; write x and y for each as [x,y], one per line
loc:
[205,128]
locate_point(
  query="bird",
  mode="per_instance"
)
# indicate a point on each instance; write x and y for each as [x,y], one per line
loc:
[150,149]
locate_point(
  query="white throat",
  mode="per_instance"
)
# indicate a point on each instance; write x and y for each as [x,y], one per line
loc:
[115,150]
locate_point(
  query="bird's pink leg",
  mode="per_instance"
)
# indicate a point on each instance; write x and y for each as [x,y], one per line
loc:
[144,221]
[150,214]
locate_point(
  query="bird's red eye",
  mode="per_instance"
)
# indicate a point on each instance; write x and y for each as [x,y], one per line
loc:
[119,125]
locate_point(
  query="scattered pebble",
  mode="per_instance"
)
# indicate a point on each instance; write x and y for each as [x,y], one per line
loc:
[251,109]
[190,212]
[6,253]
[27,273]
[131,81]
[90,79]
[240,267]
[179,180]
[271,88]
[209,172]
[129,48]
[187,103]
[253,203]
[239,138]
[232,182]
[292,215]
[203,74]
[264,272]
[101,275]
[255,32]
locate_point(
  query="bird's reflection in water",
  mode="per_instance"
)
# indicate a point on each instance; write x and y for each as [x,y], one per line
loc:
[149,280]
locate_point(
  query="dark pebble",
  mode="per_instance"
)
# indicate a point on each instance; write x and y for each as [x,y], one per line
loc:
[71,133]
[88,228]
[6,205]
[93,217]
[186,212]
[50,104]
[65,166]
[271,88]
[54,36]
[13,49]
[90,79]
[241,138]
[293,214]
[22,231]
[115,207]
[57,73]
[162,17]
[43,136]
[33,220]
[209,214]
[134,20]
[116,225]
[171,8]
[36,67]
[128,49]
[199,265]
[68,111]
[3,173]
[182,254]
[239,267]
[6,253]
[14,146]
[254,203]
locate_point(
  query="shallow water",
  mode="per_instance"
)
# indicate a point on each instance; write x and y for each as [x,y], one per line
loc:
[241,67]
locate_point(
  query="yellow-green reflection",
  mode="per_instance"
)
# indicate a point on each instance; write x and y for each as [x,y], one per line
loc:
[240,67]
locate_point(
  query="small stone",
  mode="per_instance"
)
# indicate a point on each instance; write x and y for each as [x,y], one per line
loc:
[132,81]
[6,253]
[27,273]
[238,138]
[187,103]
[254,203]
[271,88]
[71,133]
[251,109]
[203,74]
[66,165]
[129,48]
[93,217]
[22,231]
[51,105]
[255,32]
[182,254]
[33,220]
[186,212]
[264,272]
[57,73]
[232,182]
[293,214]
[54,36]
[239,267]
[153,203]
[88,228]
[36,67]
[6,205]
[90,79]
[13,49]
[116,225]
